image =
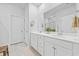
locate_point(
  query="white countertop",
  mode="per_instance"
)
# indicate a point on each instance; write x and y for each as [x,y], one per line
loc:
[70,38]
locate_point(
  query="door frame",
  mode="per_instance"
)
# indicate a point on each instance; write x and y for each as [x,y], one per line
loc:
[11,28]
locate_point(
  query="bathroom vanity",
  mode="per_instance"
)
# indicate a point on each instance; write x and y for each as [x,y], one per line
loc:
[55,45]
[60,19]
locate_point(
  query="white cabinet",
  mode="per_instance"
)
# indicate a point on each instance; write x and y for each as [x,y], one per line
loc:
[34,38]
[49,47]
[56,47]
[76,49]
[63,48]
[41,44]
[37,42]
[61,51]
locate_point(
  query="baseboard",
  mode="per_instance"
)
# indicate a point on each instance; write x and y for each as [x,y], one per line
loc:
[33,50]
[16,43]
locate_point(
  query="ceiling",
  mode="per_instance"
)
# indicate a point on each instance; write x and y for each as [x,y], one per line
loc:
[37,4]
[20,5]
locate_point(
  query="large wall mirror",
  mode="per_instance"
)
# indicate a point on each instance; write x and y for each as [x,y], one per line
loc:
[60,18]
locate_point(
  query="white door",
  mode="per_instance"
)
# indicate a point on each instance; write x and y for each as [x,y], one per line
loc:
[17,29]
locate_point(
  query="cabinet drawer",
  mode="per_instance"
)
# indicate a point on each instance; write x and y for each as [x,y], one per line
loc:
[64,44]
[49,40]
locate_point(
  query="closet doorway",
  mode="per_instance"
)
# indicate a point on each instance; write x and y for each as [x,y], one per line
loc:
[17,29]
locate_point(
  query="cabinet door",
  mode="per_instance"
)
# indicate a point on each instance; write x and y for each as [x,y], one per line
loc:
[34,41]
[76,49]
[40,44]
[49,47]
[62,51]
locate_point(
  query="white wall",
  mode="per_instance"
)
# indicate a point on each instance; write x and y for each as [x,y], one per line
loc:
[41,17]
[36,14]
[27,38]
[49,6]
[6,10]
[33,17]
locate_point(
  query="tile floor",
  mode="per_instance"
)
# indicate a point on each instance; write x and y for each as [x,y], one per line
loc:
[21,50]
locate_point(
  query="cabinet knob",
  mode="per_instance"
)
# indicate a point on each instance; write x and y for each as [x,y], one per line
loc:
[53,47]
